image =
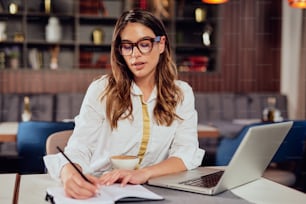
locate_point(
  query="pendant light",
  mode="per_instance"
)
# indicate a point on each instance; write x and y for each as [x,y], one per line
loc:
[214,1]
[297,3]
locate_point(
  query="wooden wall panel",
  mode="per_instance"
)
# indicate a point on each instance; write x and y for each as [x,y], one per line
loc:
[250,49]
[48,81]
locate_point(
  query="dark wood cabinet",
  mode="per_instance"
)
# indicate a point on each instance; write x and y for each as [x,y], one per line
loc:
[80,21]
[76,26]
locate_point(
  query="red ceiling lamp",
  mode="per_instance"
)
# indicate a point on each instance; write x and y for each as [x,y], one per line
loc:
[214,1]
[297,3]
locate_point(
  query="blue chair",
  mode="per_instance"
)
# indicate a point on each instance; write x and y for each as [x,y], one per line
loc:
[291,150]
[31,143]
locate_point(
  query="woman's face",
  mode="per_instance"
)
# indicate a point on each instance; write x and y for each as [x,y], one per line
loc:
[142,64]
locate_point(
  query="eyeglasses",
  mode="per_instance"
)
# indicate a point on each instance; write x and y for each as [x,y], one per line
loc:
[144,46]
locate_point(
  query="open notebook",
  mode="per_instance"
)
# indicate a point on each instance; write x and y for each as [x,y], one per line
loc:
[108,195]
[248,163]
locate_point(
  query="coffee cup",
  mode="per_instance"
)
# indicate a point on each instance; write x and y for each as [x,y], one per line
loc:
[124,162]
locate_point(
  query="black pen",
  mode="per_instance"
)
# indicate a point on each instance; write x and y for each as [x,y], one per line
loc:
[76,168]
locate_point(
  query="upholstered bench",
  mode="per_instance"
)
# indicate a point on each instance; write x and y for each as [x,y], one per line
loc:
[44,107]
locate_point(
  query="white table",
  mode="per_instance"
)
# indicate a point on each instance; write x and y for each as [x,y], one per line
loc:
[266,191]
[246,121]
[8,187]
[33,189]
[207,131]
[8,131]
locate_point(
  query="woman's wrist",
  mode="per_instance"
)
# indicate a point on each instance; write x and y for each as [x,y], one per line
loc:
[67,170]
[147,172]
[63,172]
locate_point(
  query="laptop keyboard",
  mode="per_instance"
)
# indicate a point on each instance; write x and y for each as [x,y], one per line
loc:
[207,181]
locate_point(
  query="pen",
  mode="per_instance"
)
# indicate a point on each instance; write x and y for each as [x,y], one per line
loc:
[76,168]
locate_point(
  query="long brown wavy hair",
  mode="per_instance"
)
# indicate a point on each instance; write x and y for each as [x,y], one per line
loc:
[118,91]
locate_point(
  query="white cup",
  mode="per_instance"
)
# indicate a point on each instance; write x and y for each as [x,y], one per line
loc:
[124,162]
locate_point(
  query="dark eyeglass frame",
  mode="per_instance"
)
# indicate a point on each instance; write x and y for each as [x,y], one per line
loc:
[136,44]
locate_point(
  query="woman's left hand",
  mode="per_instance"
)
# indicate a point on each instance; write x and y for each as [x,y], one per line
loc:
[122,176]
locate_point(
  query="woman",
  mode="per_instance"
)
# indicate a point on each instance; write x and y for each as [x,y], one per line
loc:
[138,109]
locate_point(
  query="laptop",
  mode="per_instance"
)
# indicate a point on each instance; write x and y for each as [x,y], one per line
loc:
[250,160]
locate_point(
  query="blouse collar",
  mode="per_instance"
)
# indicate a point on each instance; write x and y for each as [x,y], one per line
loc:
[135,90]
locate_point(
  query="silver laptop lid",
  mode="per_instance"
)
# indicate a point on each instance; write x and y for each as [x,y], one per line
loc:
[253,154]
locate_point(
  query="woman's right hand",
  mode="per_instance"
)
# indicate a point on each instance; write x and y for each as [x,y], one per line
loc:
[75,186]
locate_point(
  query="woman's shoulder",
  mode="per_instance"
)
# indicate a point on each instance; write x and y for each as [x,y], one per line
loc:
[183,85]
[99,84]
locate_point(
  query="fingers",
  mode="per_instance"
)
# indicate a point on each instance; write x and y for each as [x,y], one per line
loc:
[110,178]
[122,176]
[126,180]
[94,180]
[76,187]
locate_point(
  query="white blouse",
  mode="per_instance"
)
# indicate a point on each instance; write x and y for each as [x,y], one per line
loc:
[93,142]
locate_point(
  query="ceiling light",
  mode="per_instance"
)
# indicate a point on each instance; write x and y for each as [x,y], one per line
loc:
[296,3]
[214,1]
